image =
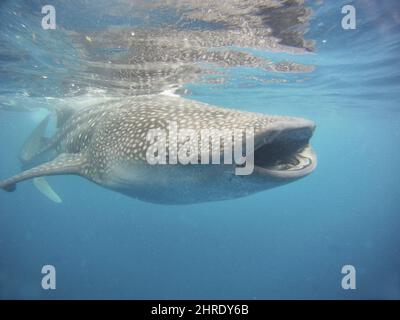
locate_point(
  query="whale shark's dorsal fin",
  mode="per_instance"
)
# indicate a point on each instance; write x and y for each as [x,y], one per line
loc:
[66,163]
[35,142]
[32,149]
[63,114]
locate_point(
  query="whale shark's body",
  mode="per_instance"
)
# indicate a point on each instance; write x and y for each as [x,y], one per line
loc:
[107,145]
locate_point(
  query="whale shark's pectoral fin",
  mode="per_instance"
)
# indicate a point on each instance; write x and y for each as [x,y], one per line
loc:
[66,163]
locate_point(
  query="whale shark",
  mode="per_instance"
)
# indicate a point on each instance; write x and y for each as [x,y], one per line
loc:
[107,144]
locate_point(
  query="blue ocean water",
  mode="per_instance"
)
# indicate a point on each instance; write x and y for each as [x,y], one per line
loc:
[289,242]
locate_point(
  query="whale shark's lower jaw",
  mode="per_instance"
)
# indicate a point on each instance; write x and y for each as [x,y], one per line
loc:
[288,155]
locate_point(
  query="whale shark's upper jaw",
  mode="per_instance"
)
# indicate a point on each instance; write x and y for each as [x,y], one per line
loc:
[284,151]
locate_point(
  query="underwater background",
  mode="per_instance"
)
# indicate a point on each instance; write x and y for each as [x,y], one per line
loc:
[289,242]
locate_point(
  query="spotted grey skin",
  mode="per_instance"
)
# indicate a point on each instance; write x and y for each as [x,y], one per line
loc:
[107,145]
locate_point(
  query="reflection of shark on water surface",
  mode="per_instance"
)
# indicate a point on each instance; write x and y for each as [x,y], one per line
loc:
[106,141]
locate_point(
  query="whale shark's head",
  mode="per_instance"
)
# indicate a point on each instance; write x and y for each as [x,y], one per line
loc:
[283,151]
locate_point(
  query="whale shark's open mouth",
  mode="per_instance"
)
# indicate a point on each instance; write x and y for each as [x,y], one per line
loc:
[286,153]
